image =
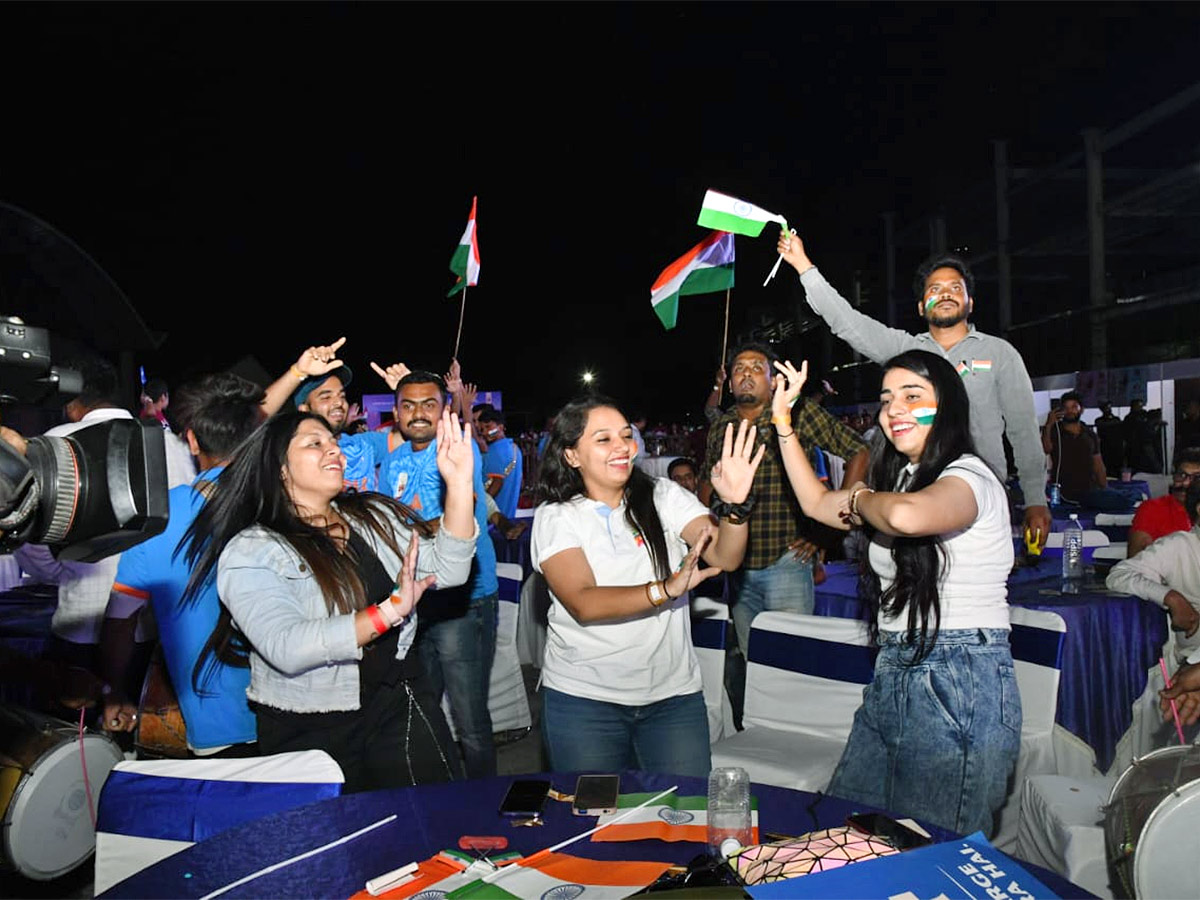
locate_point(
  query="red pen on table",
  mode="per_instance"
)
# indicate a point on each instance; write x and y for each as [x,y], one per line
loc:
[1174,707]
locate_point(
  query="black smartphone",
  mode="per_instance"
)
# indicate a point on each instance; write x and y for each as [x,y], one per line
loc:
[525,798]
[899,836]
[596,795]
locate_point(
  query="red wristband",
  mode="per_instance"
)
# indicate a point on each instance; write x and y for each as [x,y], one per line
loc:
[377,621]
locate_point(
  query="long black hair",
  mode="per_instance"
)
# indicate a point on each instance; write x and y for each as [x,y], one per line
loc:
[561,482]
[250,491]
[920,561]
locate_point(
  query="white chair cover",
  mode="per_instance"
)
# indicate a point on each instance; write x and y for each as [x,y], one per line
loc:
[1037,639]
[710,635]
[1106,518]
[508,702]
[804,681]
[151,809]
[1061,828]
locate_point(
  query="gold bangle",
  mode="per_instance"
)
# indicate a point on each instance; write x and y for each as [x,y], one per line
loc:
[780,421]
[298,373]
[655,594]
[854,500]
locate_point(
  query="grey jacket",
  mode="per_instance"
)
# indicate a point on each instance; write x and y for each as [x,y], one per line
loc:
[1001,393]
[304,659]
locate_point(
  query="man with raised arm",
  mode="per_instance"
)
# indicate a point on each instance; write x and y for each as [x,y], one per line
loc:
[997,383]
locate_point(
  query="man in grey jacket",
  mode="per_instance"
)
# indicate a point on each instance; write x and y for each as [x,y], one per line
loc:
[992,370]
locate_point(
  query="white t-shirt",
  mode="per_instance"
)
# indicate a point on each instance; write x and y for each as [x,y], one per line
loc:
[632,662]
[973,592]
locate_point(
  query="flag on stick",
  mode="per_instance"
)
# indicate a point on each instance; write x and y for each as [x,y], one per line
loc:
[727,213]
[465,261]
[705,268]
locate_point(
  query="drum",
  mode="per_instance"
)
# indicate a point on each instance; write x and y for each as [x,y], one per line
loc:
[47,825]
[1151,823]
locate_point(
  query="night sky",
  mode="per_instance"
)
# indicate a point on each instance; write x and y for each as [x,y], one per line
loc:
[259,177]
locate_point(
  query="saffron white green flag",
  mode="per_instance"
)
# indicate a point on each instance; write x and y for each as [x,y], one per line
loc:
[465,261]
[705,268]
[562,875]
[727,213]
[675,818]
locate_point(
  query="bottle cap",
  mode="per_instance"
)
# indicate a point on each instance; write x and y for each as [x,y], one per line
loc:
[730,846]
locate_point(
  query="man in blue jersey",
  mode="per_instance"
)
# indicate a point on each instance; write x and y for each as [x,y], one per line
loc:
[503,464]
[456,631]
[216,414]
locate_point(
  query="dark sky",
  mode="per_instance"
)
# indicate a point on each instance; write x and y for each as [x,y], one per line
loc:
[259,177]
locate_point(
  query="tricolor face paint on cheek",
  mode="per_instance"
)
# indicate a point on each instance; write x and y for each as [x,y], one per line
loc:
[924,414]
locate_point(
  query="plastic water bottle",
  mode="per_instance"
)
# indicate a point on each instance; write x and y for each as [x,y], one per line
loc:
[729,822]
[1072,558]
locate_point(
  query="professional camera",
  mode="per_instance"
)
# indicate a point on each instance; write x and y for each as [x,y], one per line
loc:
[89,494]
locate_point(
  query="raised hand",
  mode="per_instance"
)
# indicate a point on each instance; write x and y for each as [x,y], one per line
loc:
[408,587]
[455,459]
[791,248]
[690,573]
[392,374]
[454,378]
[733,475]
[318,360]
[788,385]
[469,393]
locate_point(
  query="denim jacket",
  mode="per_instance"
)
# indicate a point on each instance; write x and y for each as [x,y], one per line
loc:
[304,659]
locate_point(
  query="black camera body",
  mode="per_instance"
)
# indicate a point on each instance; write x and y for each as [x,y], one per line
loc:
[89,494]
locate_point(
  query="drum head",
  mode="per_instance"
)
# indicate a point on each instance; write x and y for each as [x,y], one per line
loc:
[1165,862]
[48,826]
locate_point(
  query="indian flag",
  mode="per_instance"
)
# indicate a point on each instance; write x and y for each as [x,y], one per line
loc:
[981,365]
[465,261]
[924,414]
[674,819]
[727,213]
[560,875]
[705,268]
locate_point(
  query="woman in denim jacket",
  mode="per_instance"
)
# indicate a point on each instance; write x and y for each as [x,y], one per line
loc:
[939,730]
[318,590]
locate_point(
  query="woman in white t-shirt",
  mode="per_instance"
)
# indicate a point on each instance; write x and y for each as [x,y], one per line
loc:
[939,729]
[620,681]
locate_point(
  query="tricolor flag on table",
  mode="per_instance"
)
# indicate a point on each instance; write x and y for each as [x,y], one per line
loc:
[705,268]
[727,213]
[674,819]
[465,261]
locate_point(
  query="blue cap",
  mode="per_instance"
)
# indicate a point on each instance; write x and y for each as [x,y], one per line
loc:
[312,382]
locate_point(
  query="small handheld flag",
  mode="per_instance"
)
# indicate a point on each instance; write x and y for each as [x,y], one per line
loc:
[725,213]
[706,268]
[465,261]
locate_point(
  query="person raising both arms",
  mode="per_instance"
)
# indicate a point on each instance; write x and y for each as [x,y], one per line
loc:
[991,369]
[621,683]
[939,729]
[320,586]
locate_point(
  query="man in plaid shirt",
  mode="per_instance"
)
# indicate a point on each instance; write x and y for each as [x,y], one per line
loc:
[783,546]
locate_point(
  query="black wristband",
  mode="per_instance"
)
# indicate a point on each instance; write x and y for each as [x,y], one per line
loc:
[740,511]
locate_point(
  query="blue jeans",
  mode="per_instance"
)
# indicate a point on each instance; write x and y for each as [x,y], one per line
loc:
[457,651]
[937,741]
[785,584]
[670,736]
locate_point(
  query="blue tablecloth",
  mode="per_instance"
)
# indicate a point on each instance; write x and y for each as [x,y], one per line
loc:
[1112,641]
[432,818]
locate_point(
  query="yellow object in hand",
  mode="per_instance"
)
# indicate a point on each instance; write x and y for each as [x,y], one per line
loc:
[1033,540]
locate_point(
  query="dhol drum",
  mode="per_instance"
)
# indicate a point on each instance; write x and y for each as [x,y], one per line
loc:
[47,824]
[1152,823]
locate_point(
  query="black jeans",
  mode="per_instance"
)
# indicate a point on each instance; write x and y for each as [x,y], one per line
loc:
[398,738]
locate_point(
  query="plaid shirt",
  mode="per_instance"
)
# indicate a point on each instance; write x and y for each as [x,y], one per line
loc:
[777,520]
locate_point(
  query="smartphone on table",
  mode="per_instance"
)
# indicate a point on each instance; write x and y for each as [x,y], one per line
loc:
[526,798]
[596,795]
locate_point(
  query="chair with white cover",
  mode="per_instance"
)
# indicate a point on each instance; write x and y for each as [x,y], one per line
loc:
[1117,550]
[151,809]
[1061,828]
[531,620]
[1159,484]
[1121,519]
[711,632]
[804,682]
[1037,645]
[508,702]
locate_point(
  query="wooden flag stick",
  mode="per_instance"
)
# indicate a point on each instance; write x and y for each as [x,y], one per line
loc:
[462,306]
[724,345]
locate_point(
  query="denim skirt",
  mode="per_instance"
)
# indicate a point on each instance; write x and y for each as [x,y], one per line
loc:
[936,740]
